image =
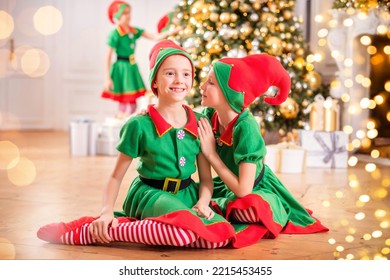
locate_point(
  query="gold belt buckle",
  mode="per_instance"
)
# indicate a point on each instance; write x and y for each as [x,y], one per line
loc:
[131,59]
[176,181]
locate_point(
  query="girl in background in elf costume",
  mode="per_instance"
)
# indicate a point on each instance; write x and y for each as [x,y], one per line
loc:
[124,83]
[246,191]
[165,205]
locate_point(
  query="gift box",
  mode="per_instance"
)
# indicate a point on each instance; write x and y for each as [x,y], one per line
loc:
[285,158]
[82,137]
[325,149]
[108,137]
[324,114]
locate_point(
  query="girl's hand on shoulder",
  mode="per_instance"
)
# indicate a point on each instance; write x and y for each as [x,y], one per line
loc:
[99,228]
[203,211]
[206,135]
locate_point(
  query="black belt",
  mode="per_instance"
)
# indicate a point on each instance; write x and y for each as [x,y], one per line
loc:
[168,184]
[258,179]
[129,58]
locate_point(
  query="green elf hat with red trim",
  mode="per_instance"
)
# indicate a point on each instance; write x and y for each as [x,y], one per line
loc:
[159,53]
[116,9]
[242,80]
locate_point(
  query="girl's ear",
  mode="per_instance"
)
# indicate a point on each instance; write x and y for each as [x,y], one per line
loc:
[154,84]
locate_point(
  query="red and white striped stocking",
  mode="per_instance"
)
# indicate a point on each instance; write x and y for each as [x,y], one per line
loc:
[145,231]
[244,215]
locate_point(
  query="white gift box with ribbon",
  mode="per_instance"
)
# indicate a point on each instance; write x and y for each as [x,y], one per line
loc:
[325,149]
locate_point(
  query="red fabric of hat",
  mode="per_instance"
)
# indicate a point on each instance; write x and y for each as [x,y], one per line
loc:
[251,77]
[114,8]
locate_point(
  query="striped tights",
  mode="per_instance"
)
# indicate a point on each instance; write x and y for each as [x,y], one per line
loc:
[146,232]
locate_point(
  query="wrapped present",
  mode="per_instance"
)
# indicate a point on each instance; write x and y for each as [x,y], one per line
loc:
[82,137]
[285,158]
[324,114]
[325,149]
[109,136]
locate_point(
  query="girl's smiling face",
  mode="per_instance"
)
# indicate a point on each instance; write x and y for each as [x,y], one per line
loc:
[174,78]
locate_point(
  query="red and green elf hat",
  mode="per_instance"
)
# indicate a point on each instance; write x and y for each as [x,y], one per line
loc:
[242,80]
[165,22]
[159,53]
[115,10]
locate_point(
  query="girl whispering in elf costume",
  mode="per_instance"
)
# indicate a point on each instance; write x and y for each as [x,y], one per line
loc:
[164,206]
[246,191]
[124,83]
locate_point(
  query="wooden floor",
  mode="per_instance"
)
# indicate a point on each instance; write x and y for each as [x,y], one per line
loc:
[352,202]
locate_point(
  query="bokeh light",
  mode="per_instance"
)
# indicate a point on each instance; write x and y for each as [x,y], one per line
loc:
[9,154]
[23,174]
[35,63]
[48,20]
[6,25]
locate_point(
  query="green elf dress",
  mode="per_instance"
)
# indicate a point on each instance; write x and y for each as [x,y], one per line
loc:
[165,151]
[270,206]
[128,84]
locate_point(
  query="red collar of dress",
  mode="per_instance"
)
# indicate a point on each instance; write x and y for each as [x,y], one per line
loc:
[163,127]
[122,31]
[227,135]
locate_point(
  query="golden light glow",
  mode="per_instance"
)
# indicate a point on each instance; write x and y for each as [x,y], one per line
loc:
[375,153]
[331,241]
[339,248]
[35,63]
[372,133]
[348,83]
[6,25]
[326,203]
[365,40]
[23,174]
[380,193]
[348,62]
[379,99]
[352,161]
[339,194]
[372,104]
[366,82]
[388,116]
[387,242]
[322,33]
[367,236]
[350,257]
[370,167]
[48,20]
[387,86]
[354,109]
[345,97]
[371,125]
[364,198]
[349,238]
[384,224]
[381,29]
[360,216]
[372,50]
[385,251]
[318,18]
[7,250]
[377,234]
[354,183]
[380,213]
[386,50]
[360,134]
[9,154]
[356,143]
[348,22]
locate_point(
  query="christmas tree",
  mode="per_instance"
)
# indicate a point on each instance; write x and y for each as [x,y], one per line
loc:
[363,5]
[216,29]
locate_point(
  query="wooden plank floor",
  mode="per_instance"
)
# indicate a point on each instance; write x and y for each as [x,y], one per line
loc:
[63,188]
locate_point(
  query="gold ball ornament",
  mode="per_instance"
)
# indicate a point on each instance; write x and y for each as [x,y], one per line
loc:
[274,45]
[299,62]
[289,108]
[214,17]
[200,10]
[224,17]
[233,17]
[287,14]
[234,5]
[314,79]
[213,47]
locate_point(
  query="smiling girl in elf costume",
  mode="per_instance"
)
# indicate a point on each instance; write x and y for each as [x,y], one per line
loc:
[124,83]
[246,191]
[165,205]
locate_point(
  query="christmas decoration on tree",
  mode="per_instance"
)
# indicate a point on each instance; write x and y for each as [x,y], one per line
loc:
[232,28]
[363,5]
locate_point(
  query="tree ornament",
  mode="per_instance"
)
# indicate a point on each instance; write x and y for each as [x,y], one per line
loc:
[289,108]
[313,78]
[225,17]
[275,45]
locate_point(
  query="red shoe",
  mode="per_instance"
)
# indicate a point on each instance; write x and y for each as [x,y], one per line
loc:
[55,232]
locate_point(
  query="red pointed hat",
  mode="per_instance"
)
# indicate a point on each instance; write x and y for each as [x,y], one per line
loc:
[115,10]
[159,53]
[242,80]
[165,22]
